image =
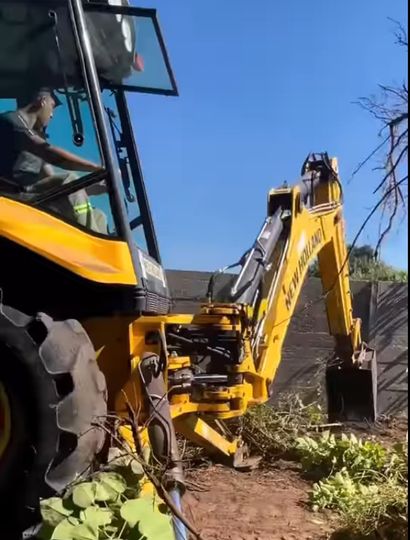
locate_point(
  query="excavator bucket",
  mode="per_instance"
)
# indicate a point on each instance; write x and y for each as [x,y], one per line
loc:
[352,391]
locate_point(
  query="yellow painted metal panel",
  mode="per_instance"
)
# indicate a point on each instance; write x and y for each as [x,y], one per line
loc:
[97,259]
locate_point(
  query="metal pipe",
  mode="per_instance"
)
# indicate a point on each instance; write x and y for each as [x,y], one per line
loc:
[180,530]
[211,378]
[137,176]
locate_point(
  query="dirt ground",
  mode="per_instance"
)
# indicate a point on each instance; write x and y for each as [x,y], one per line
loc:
[224,504]
[263,505]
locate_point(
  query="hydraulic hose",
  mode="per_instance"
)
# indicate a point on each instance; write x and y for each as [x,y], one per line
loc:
[257,261]
[180,530]
[162,434]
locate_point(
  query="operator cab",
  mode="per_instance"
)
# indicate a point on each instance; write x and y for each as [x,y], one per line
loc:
[41,47]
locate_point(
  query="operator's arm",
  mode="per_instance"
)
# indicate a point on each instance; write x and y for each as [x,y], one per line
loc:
[46,171]
[54,155]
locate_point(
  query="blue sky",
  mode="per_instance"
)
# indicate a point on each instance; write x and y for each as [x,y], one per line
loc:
[262,84]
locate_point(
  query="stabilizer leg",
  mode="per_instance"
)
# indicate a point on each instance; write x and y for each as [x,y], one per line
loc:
[231,452]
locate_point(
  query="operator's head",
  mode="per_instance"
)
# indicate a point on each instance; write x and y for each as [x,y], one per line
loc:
[42,102]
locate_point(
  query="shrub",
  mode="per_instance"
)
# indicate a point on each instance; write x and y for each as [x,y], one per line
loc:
[362,480]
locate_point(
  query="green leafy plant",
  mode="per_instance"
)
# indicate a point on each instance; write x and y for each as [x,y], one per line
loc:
[362,480]
[336,492]
[364,509]
[330,453]
[110,505]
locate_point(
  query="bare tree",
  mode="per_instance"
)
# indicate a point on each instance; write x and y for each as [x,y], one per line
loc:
[390,108]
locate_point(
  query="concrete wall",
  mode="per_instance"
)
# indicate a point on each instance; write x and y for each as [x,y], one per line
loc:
[308,344]
[389,336]
[382,307]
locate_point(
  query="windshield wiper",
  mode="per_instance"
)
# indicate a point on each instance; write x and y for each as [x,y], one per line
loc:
[117,137]
[72,103]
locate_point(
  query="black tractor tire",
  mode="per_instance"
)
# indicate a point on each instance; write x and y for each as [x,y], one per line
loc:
[57,400]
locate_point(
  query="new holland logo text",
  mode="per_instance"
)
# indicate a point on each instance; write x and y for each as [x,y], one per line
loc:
[303,261]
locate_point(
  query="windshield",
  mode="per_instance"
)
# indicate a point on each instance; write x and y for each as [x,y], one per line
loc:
[129,49]
[49,142]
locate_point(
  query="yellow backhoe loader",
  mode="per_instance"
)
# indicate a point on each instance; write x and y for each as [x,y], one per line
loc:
[87,331]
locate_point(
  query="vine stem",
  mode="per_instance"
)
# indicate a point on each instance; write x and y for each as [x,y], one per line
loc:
[162,492]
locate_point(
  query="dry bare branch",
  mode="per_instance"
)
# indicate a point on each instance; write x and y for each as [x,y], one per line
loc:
[390,108]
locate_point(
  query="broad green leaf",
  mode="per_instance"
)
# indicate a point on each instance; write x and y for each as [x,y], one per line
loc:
[85,532]
[118,459]
[134,510]
[114,454]
[145,514]
[137,469]
[109,487]
[156,525]
[65,529]
[113,480]
[84,494]
[53,511]
[96,517]
[104,494]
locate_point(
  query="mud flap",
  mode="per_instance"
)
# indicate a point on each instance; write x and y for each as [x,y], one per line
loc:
[352,390]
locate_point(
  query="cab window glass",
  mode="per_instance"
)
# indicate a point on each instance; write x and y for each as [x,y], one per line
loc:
[127,186]
[89,208]
[128,49]
[44,105]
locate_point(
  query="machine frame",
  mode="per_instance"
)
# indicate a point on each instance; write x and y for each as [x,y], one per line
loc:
[169,372]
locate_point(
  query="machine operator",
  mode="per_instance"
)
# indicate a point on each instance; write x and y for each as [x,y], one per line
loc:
[26,159]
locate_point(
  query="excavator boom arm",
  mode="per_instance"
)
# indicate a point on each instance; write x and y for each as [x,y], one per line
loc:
[224,359]
[304,223]
[311,224]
